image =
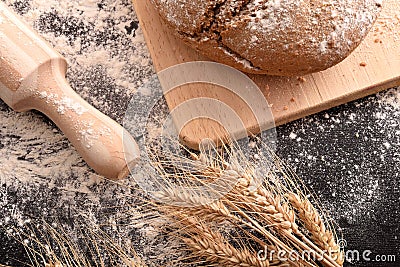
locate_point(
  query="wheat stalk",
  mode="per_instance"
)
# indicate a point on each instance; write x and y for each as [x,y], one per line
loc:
[48,246]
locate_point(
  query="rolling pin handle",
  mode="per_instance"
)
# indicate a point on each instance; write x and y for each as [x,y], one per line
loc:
[104,144]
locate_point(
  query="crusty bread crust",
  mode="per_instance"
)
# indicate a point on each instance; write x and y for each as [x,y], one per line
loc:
[275,37]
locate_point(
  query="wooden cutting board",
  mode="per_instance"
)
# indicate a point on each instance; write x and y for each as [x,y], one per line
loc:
[374,66]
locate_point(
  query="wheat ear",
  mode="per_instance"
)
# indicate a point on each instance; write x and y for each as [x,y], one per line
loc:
[212,245]
[313,222]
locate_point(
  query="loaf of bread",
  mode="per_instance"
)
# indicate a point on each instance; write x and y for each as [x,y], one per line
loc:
[275,37]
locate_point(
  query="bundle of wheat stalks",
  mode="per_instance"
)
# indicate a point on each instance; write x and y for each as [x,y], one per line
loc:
[226,209]
[264,219]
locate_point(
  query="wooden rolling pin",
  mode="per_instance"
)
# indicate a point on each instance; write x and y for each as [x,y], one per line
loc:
[32,76]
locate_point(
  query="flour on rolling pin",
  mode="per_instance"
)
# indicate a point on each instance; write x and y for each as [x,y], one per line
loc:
[32,76]
[63,103]
[88,133]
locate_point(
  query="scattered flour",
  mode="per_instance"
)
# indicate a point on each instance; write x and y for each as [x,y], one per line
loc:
[350,155]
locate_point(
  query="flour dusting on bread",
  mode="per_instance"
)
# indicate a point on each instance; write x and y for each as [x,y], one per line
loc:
[276,37]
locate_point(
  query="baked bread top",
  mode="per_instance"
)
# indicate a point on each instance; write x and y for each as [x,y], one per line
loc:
[275,37]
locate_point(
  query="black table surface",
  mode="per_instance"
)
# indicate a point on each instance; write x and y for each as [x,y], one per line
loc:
[349,155]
